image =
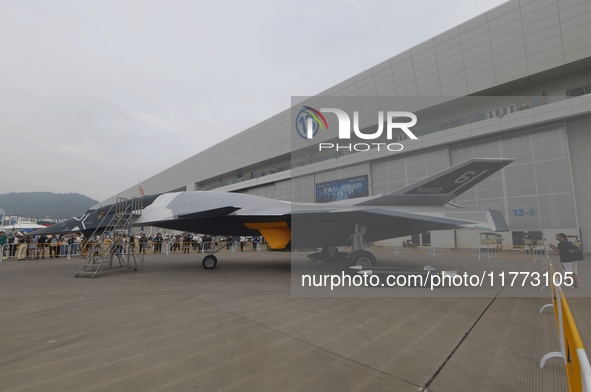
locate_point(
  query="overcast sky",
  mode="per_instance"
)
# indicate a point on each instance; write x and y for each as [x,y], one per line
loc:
[96,96]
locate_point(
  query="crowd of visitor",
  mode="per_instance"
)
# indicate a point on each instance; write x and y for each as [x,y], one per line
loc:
[28,246]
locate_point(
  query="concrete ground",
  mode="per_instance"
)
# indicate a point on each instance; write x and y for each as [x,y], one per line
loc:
[173,326]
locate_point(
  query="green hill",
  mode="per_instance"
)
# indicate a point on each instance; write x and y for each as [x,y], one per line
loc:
[45,204]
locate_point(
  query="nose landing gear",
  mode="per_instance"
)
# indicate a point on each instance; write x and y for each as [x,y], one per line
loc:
[210,261]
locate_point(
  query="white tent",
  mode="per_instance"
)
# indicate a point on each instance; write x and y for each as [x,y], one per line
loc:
[26,226]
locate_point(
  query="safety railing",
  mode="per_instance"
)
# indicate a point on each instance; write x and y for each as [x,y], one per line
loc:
[34,250]
[479,252]
[572,351]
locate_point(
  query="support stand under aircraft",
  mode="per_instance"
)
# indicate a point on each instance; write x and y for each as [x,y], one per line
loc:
[358,255]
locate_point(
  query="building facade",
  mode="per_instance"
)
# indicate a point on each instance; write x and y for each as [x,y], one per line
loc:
[514,82]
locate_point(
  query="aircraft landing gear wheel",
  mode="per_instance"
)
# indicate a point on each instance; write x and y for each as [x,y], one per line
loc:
[362,258]
[209,262]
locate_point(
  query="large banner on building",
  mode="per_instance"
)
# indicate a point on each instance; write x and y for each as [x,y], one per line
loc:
[346,188]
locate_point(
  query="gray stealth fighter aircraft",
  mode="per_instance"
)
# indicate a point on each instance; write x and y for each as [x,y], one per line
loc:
[417,208]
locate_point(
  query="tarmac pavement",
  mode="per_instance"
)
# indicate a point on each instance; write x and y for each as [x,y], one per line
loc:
[173,326]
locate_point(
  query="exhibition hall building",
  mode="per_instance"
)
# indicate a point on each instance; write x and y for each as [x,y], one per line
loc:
[514,82]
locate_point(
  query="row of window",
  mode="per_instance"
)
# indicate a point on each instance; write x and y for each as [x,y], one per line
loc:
[476,117]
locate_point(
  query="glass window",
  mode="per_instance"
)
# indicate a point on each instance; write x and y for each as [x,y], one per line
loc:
[575,92]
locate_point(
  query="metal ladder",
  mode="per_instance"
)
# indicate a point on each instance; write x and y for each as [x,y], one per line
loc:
[105,244]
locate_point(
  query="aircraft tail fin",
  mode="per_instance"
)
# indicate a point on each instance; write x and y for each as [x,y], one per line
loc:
[444,186]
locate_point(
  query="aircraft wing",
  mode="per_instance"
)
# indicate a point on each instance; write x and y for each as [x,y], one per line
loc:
[334,228]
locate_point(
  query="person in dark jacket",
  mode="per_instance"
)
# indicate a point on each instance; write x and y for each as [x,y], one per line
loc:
[565,251]
[158,243]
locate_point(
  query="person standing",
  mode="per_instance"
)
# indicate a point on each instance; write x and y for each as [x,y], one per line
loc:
[13,241]
[22,248]
[3,241]
[77,244]
[54,247]
[143,242]
[64,245]
[568,256]
[12,244]
[32,241]
[174,241]
[41,244]
[187,243]
[200,244]
[131,249]
[158,243]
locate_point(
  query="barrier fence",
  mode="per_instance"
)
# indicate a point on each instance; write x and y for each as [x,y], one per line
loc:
[35,251]
[184,246]
[536,254]
[572,351]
